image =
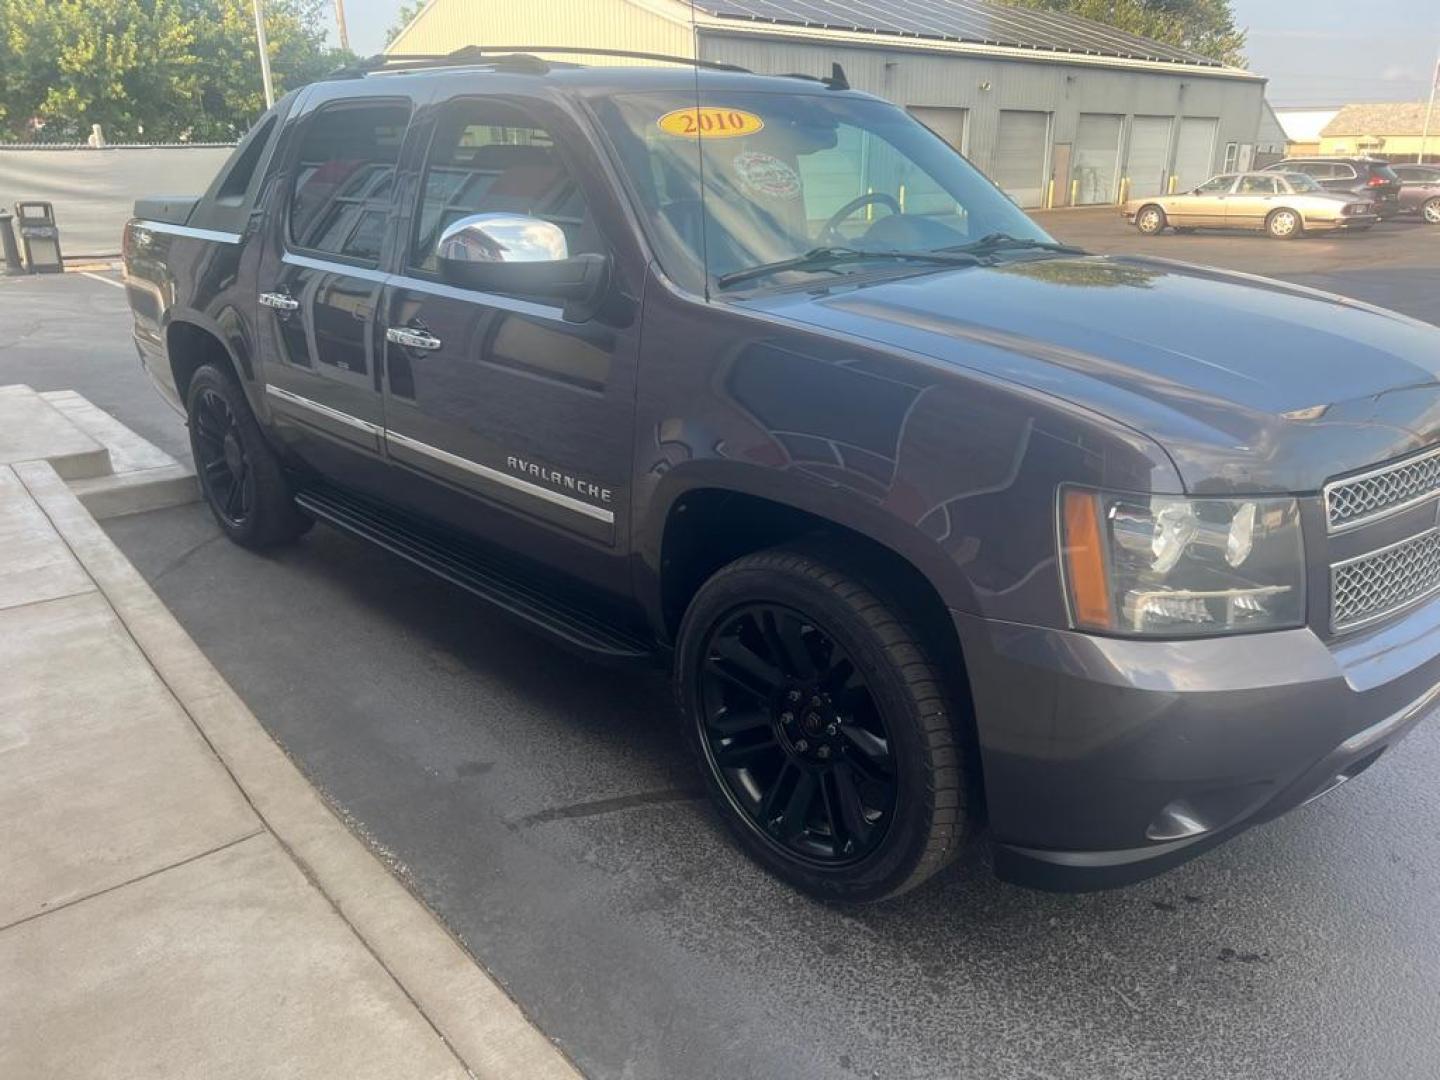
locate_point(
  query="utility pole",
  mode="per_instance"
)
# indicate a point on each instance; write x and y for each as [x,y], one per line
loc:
[264,52]
[1425,131]
[340,24]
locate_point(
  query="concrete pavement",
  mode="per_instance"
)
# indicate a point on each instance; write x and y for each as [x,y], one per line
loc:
[175,898]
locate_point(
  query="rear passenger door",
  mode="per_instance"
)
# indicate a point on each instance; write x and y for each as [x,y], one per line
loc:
[1253,199]
[523,419]
[320,280]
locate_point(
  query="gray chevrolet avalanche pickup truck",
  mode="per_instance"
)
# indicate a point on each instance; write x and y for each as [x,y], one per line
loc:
[940,523]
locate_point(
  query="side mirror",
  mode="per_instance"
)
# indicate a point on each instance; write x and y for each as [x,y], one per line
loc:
[520,256]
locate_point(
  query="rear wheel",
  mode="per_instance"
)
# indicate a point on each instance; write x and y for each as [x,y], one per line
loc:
[239,474]
[1430,211]
[1150,220]
[1284,224]
[822,725]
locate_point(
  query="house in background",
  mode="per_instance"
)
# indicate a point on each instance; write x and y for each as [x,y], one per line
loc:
[1055,108]
[1302,127]
[1391,130]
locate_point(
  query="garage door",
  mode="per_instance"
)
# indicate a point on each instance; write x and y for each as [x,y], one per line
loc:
[1195,152]
[1149,147]
[949,124]
[1096,160]
[1020,145]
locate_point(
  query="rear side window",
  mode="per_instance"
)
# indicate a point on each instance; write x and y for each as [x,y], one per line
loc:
[344,176]
[237,180]
[1383,171]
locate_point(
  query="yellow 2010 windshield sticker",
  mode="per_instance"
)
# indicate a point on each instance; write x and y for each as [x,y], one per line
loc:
[710,122]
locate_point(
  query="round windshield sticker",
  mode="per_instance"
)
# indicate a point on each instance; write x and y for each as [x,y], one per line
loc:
[710,123]
[767,175]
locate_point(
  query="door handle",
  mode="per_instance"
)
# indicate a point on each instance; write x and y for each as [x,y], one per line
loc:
[279,301]
[412,338]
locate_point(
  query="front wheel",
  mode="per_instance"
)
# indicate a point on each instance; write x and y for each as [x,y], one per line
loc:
[1430,211]
[1284,224]
[1150,220]
[823,727]
[239,474]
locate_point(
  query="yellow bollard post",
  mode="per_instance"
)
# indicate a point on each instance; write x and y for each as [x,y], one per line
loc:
[1074,192]
[1050,194]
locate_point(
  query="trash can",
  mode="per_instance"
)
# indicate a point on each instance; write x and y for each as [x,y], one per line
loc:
[39,236]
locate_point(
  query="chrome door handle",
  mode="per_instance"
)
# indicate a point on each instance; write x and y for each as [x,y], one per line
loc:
[412,338]
[279,301]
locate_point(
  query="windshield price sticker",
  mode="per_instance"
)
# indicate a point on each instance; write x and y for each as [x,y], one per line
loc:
[710,122]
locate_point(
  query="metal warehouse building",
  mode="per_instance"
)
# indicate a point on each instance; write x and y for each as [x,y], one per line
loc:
[1055,108]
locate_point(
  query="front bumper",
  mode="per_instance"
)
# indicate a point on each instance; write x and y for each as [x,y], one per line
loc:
[1109,760]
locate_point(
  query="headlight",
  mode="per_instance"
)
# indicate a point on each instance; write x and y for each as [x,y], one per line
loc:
[1168,566]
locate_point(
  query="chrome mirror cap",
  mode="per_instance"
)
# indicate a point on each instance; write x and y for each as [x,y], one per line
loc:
[502,238]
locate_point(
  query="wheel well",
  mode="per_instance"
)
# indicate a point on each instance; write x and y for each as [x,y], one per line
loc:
[709,528]
[189,346]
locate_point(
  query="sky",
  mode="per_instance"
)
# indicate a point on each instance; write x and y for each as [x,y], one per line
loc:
[1315,52]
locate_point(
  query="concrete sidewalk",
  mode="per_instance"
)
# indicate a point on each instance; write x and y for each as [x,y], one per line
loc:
[175,899]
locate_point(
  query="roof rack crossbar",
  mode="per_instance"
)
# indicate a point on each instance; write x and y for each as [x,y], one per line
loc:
[471,54]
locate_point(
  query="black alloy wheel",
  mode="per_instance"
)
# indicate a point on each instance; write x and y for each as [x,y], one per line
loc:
[823,723]
[794,732]
[220,458]
[240,474]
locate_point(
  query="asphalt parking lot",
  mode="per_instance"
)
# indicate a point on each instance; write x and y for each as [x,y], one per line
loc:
[547,811]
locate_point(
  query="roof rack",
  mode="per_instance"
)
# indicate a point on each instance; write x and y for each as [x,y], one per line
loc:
[519,56]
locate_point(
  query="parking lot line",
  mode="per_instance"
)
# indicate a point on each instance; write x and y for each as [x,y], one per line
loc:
[101,277]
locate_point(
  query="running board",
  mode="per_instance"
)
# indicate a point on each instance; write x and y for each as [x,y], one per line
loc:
[485,578]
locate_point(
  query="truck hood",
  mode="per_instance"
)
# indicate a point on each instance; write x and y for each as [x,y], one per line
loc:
[1249,384]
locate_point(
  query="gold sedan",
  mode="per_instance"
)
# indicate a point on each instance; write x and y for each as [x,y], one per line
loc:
[1284,204]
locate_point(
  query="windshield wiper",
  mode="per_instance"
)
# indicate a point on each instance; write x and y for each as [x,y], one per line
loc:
[999,241]
[823,258]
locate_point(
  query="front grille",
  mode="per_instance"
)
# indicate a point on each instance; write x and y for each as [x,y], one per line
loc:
[1372,586]
[1382,491]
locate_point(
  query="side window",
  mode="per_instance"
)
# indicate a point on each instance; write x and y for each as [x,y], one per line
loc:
[489,157]
[343,177]
[1341,171]
[1216,185]
[1232,156]
[1314,169]
[1258,185]
[237,180]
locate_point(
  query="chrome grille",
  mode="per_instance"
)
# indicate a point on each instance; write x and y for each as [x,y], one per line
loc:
[1382,582]
[1386,490]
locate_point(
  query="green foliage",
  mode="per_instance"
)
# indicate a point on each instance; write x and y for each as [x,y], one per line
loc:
[403,18]
[152,70]
[1206,27]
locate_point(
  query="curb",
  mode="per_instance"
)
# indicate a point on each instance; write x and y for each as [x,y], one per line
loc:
[474,1016]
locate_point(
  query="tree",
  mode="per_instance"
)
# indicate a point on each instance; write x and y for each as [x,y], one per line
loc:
[403,18]
[161,70]
[1206,27]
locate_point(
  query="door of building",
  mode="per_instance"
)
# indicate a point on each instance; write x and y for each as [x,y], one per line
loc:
[1195,152]
[1019,168]
[1096,159]
[1145,162]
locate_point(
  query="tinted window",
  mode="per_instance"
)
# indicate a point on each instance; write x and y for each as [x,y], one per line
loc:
[488,157]
[1383,171]
[247,157]
[1417,174]
[343,178]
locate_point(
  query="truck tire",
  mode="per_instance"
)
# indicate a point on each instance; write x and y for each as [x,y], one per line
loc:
[823,727]
[239,474]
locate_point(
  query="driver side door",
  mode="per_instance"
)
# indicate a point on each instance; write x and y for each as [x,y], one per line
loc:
[522,419]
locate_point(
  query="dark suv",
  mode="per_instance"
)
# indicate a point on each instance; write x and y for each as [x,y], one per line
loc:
[1420,191]
[1371,177]
[937,521]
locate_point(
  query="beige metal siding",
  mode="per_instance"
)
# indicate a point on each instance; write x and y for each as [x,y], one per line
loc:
[447,25]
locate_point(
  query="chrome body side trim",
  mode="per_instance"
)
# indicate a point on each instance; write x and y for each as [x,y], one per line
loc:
[324,410]
[599,513]
[187,230]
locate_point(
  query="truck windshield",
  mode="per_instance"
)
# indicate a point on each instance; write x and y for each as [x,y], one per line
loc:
[788,175]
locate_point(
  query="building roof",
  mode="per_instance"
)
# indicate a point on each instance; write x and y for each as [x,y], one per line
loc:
[1385,118]
[971,21]
[1304,125]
